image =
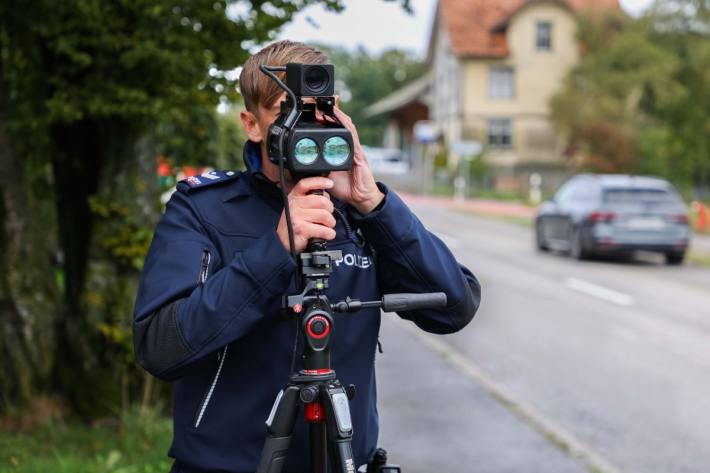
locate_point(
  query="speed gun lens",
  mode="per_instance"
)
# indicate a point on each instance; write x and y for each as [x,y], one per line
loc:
[306,151]
[336,150]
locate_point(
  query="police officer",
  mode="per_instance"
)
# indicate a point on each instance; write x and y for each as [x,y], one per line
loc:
[207,310]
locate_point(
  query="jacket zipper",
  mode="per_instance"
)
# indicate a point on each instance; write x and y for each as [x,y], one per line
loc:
[204,266]
[221,355]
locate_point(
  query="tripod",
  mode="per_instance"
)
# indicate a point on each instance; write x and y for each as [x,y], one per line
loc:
[325,399]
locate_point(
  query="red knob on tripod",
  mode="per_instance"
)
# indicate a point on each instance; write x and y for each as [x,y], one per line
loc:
[314,412]
[318,327]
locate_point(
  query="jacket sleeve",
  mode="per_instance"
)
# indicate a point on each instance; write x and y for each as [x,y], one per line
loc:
[409,258]
[178,318]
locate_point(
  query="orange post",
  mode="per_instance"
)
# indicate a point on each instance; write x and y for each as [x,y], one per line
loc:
[701,222]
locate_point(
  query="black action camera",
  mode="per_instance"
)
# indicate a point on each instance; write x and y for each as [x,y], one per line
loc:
[311,80]
[306,145]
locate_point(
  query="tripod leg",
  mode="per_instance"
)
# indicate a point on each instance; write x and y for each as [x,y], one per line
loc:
[279,428]
[319,451]
[342,453]
[340,428]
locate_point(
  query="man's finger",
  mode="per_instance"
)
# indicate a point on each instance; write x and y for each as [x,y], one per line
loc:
[304,186]
[319,216]
[313,230]
[315,201]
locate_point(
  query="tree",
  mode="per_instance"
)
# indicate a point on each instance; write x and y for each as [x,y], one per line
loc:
[682,149]
[83,86]
[203,137]
[638,100]
[614,92]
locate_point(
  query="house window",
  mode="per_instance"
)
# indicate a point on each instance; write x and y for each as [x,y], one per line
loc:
[543,36]
[500,133]
[500,83]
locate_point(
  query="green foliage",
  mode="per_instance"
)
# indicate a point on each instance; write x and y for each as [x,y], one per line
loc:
[138,59]
[479,172]
[204,138]
[231,139]
[190,138]
[366,78]
[123,238]
[136,443]
[638,100]
[441,158]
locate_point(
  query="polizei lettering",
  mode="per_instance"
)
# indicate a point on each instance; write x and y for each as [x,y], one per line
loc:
[359,261]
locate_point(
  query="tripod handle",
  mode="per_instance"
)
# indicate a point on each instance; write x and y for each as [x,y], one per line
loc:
[404,302]
[395,302]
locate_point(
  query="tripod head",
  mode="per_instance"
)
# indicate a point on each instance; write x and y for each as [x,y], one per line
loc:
[313,306]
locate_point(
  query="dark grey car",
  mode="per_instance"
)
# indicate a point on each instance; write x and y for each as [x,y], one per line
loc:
[602,214]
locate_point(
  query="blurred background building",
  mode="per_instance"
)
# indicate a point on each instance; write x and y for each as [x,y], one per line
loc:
[492,70]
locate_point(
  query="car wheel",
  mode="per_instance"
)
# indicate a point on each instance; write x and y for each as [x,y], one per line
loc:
[675,257]
[576,248]
[539,239]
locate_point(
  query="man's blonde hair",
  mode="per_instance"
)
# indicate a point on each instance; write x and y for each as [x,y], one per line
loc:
[256,87]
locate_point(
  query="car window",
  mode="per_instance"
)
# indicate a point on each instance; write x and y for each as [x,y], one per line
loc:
[565,193]
[642,196]
[586,191]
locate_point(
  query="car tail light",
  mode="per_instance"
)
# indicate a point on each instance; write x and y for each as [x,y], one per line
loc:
[602,216]
[680,218]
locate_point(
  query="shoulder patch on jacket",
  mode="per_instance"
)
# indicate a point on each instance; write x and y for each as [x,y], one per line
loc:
[205,180]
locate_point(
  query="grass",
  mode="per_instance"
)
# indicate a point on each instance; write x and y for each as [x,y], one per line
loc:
[137,443]
[446,190]
[521,221]
[698,259]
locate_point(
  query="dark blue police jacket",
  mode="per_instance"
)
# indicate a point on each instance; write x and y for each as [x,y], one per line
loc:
[207,312]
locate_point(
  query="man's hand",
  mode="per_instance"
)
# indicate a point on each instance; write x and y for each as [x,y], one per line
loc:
[311,215]
[357,187]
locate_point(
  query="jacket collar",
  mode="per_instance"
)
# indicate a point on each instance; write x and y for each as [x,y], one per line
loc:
[252,157]
[254,181]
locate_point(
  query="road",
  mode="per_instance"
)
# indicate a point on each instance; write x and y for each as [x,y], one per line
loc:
[568,366]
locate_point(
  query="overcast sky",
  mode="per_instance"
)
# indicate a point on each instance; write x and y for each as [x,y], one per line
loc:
[379,25]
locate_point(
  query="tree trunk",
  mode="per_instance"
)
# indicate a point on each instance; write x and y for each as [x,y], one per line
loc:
[106,201]
[75,163]
[28,292]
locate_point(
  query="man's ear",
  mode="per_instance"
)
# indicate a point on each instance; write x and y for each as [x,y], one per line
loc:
[251,126]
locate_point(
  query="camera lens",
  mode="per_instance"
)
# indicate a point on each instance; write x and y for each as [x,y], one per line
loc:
[306,151]
[336,150]
[316,79]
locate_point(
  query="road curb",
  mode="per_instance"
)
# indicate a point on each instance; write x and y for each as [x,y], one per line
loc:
[549,429]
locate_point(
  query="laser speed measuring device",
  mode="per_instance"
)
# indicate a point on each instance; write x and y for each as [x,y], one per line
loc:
[307,137]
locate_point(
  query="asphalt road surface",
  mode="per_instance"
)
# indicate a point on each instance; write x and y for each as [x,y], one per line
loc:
[568,366]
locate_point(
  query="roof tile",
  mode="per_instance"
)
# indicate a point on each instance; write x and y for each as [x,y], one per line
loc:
[471,24]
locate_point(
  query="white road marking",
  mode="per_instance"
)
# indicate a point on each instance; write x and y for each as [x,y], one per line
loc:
[452,242]
[599,292]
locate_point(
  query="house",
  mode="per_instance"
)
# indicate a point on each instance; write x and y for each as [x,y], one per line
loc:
[494,65]
[403,108]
